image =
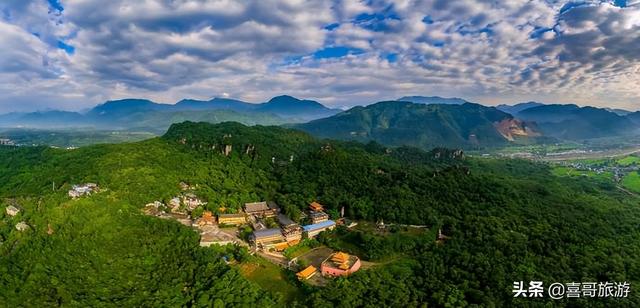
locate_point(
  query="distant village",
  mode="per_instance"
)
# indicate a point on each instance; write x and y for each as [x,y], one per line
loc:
[617,171]
[11,143]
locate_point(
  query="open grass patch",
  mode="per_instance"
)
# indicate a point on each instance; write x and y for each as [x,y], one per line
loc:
[568,171]
[632,181]
[270,277]
[629,160]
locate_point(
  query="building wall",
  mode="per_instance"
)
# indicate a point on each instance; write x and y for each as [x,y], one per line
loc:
[333,271]
[314,233]
[265,213]
[315,220]
[269,238]
[293,236]
[355,267]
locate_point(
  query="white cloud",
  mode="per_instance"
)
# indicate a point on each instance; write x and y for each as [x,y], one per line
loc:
[167,50]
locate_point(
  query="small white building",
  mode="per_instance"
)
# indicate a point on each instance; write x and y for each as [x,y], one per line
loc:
[12,210]
[78,191]
[192,202]
[22,226]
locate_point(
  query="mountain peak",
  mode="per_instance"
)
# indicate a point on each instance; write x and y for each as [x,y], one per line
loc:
[288,99]
[289,106]
[127,105]
[130,101]
[283,97]
[401,123]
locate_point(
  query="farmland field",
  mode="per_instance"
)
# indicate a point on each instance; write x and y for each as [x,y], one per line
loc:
[632,181]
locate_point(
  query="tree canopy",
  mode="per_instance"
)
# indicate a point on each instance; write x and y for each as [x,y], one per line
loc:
[507,220]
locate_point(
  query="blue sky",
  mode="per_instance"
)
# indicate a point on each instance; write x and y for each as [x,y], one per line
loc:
[75,54]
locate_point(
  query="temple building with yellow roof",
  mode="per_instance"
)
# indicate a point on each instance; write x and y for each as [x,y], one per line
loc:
[307,272]
[340,264]
[315,206]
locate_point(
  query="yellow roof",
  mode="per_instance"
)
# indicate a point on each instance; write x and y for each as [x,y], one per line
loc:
[282,246]
[316,206]
[340,257]
[231,216]
[343,266]
[307,272]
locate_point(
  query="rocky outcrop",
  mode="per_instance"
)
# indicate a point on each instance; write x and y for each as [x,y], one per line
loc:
[512,128]
[444,153]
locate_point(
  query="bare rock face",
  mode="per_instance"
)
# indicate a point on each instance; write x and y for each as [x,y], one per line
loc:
[227,149]
[512,128]
[250,149]
[444,153]
[457,154]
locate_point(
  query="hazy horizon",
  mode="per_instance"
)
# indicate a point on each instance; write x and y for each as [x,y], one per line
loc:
[86,109]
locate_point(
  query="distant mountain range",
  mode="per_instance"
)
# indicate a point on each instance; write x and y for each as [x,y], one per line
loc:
[421,121]
[148,115]
[399,123]
[284,106]
[216,103]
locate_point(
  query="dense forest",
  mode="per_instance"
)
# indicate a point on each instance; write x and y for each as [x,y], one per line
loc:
[467,126]
[507,220]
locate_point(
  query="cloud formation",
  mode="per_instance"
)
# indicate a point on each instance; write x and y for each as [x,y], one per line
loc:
[75,54]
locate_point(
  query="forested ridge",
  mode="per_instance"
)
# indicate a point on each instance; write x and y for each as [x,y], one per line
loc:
[397,123]
[507,220]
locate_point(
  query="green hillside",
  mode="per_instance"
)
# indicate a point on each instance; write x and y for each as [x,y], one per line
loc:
[508,220]
[424,126]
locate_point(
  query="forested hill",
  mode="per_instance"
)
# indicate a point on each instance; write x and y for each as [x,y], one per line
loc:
[507,220]
[398,123]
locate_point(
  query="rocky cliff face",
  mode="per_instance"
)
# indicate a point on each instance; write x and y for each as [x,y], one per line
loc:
[512,128]
[444,153]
